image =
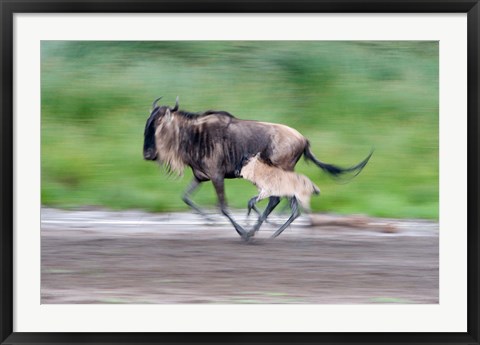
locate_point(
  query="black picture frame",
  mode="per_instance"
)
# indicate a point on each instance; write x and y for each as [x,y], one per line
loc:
[9,8]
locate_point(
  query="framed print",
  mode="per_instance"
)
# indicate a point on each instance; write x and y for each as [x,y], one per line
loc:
[371,237]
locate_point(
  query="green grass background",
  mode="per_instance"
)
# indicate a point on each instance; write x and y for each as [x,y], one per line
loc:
[345,97]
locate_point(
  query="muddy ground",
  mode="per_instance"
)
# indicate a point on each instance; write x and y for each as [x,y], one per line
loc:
[95,256]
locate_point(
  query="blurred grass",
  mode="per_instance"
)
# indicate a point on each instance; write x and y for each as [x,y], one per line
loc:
[345,97]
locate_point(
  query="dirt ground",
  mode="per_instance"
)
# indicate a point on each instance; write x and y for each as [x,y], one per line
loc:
[94,256]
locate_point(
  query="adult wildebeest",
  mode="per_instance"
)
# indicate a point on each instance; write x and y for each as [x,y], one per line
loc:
[213,143]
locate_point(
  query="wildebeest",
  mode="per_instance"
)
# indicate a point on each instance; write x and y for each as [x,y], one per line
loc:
[213,143]
[273,181]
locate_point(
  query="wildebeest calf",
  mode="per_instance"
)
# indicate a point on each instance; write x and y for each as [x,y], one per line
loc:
[273,181]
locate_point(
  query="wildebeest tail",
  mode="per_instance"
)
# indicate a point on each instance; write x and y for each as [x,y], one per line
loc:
[334,170]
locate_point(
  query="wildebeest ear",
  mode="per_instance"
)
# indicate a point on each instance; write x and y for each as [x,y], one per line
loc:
[168,115]
[246,158]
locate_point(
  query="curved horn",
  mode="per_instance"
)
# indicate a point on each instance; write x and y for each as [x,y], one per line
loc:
[175,108]
[155,102]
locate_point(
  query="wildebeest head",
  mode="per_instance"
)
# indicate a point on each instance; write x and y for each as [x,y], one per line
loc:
[242,162]
[157,113]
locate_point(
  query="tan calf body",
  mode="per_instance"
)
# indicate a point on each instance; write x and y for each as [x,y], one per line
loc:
[272,181]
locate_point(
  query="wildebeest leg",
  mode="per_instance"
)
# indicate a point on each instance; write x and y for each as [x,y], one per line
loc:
[293,216]
[251,205]
[186,198]
[218,183]
[273,201]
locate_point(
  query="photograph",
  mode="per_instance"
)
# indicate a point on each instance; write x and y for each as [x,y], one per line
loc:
[266,172]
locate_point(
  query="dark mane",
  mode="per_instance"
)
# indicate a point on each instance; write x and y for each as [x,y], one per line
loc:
[220,112]
[189,115]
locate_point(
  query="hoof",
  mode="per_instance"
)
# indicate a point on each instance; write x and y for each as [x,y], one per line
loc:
[248,236]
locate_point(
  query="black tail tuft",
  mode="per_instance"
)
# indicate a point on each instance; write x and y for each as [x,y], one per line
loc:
[334,170]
